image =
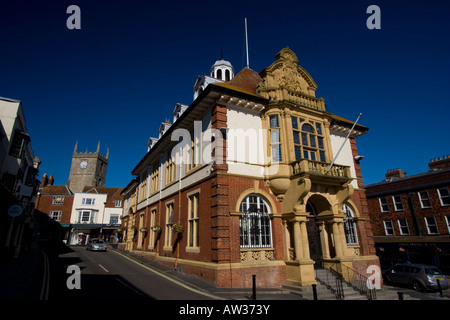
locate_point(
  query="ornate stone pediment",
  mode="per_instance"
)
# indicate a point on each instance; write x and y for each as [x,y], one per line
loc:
[286,80]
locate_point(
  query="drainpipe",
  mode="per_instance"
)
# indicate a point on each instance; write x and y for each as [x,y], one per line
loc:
[413,214]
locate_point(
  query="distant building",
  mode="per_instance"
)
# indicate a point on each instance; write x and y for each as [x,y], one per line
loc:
[243,183]
[87,169]
[95,213]
[411,216]
[83,207]
[19,170]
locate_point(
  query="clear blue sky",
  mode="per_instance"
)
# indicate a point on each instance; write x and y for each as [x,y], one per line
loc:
[120,76]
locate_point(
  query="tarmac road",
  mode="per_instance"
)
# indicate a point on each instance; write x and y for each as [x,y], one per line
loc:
[108,276]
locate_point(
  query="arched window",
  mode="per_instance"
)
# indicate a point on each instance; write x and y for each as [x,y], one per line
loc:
[255,224]
[219,74]
[350,226]
[227,75]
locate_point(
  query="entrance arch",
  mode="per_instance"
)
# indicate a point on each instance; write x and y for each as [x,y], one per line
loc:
[319,211]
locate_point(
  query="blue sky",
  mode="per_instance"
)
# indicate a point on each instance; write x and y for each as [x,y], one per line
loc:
[119,76]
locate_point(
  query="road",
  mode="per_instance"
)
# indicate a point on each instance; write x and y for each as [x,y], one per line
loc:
[107,275]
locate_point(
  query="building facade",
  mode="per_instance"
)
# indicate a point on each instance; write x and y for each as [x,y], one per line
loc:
[19,170]
[411,216]
[243,183]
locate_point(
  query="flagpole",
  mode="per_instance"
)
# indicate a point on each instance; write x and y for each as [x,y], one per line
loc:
[246,42]
[346,138]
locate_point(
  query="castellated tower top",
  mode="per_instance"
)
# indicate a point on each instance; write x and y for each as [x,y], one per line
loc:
[87,169]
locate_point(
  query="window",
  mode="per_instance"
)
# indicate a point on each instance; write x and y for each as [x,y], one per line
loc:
[403,226]
[117,203]
[447,221]
[350,226]
[143,188]
[444,196]
[275,138]
[424,199]
[193,228]
[431,225]
[153,234]
[388,228]
[384,204]
[194,157]
[155,179]
[86,216]
[170,170]
[398,205]
[18,144]
[114,219]
[255,225]
[169,224]
[58,200]
[308,140]
[55,215]
[88,201]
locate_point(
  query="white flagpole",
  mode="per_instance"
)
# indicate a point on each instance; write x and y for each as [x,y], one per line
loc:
[246,42]
[346,138]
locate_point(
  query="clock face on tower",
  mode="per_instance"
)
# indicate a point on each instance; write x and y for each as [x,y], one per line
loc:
[83,164]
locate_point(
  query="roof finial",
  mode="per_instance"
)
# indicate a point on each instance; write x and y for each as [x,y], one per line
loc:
[76,145]
[98,146]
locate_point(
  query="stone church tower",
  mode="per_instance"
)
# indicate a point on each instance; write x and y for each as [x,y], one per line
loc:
[87,169]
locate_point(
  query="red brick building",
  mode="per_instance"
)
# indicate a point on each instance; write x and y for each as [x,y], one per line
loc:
[411,216]
[54,202]
[242,183]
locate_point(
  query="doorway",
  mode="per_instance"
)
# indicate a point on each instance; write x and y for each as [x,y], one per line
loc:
[315,248]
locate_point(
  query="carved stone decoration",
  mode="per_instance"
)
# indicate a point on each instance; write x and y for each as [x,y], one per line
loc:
[285,80]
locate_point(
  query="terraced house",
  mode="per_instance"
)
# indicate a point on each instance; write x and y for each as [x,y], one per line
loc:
[243,183]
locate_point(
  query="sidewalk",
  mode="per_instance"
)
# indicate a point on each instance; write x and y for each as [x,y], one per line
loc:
[386,293]
[21,277]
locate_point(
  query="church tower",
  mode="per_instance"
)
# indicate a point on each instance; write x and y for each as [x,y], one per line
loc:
[87,169]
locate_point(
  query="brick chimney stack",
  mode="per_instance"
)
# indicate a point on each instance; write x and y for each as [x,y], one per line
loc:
[395,174]
[439,163]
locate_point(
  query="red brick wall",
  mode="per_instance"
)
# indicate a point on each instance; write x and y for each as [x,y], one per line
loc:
[44,204]
[409,186]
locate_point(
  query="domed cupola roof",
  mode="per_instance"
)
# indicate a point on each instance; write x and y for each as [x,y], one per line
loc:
[222,70]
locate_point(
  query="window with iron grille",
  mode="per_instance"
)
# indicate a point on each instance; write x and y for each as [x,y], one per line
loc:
[350,227]
[255,224]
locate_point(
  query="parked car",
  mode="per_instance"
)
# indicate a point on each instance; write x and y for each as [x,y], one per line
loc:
[421,277]
[96,245]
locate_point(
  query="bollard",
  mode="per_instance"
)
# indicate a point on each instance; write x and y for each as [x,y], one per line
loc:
[254,287]
[439,293]
[400,295]
[314,291]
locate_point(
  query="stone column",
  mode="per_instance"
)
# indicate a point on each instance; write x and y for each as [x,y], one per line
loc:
[324,240]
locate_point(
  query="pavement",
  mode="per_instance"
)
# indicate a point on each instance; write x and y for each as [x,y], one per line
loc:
[23,278]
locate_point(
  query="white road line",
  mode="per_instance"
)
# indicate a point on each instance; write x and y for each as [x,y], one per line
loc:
[106,270]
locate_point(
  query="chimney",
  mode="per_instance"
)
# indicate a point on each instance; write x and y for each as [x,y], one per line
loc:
[395,174]
[51,180]
[44,180]
[440,163]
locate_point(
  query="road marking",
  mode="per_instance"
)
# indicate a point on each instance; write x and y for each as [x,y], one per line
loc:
[171,279]
[46,279]
[129,287]
[106,270]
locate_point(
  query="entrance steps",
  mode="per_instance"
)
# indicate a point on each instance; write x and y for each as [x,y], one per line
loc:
[323,293]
